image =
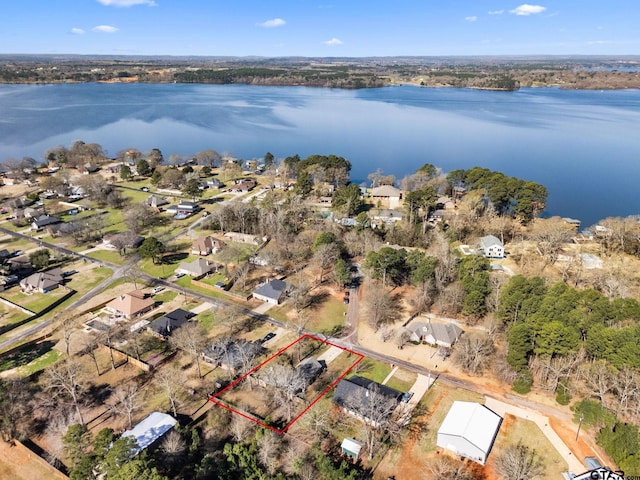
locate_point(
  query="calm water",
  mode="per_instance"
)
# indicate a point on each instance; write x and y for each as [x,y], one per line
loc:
[583,146]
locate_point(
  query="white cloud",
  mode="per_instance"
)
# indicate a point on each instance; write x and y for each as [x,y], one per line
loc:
[105,29]
[127,3]
[77,31]
[525,9]
[273,23]
[333,41]
[471,18]
[496,12]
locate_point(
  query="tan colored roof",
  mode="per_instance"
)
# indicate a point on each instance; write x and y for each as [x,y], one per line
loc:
[130,304]
[385,191]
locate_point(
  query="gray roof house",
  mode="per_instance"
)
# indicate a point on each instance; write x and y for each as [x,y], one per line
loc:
[42,282]
[164,326]
[366,399]
[491,247]
[197,268]
[442,334]
[232,353]
[44,221]
[156,201]
[271,292]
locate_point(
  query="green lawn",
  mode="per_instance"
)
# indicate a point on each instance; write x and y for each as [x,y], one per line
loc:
[85,280]
[40,363]
[402,380]
[206,320]
[518,430]
[27,355]
[108,256]
[329,317]
[35,302]
[372,369]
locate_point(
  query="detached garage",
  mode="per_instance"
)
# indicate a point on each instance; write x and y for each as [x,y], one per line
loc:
[469,430]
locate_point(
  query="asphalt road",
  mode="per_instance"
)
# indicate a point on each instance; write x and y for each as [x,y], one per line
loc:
[347,342]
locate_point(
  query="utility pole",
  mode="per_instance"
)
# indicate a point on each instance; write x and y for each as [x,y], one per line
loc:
[579,425]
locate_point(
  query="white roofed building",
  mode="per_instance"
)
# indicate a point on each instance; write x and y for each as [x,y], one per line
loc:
[469,430]
[150,429]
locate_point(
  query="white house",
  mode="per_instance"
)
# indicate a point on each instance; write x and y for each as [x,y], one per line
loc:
[491,247]
[469,430]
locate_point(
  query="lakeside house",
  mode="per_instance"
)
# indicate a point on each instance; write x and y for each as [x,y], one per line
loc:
[387,195]
[491,247]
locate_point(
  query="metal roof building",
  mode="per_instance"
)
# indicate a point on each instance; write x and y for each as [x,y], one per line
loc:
[469,430]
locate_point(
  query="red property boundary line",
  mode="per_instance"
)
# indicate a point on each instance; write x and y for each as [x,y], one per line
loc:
[214,398]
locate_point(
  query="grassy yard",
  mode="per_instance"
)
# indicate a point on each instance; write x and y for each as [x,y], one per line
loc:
[85,280]
[28,355]
[40,363]
[108,256]
[402,380]
[516,430]
[35,302]
[372,369]
[437,403]
[329,317]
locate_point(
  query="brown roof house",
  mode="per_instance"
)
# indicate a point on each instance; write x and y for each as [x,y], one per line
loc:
[130,305]
[42,282]
[206,245]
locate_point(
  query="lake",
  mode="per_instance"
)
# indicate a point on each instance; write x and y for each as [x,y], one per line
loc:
[584,146]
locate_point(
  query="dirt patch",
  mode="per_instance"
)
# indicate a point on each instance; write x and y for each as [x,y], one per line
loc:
[16,465]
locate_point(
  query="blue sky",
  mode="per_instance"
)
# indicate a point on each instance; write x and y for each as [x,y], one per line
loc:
[320,27]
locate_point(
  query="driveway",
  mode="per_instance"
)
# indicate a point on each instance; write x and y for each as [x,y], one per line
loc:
[502,408]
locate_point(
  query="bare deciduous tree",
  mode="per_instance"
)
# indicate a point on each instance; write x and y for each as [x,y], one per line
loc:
[324,258]
[65,381]
[191,338]
[519,462]
[173,447]
[446,468]
[379,306]
[125,401]
[549,235]
[170,379]
[600,377]
[472,352]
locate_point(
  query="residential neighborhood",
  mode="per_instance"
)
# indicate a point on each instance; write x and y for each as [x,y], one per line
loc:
[365,332]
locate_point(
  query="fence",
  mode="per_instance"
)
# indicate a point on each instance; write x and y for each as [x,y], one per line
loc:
[32,455]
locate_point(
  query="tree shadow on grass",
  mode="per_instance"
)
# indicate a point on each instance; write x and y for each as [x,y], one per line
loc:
[173,258]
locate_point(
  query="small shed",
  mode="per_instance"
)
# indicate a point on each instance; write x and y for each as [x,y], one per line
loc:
[351,448]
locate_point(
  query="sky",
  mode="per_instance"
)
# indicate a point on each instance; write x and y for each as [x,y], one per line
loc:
[341,28]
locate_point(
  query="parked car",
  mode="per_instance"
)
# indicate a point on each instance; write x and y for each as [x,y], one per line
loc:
[181,274]
[157,290]
[268,337]
[145,189]
[406,397]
